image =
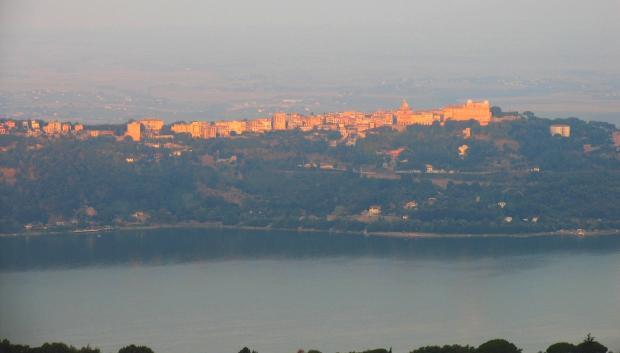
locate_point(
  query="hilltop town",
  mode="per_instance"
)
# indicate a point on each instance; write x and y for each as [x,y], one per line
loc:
[350,124]
[462,168]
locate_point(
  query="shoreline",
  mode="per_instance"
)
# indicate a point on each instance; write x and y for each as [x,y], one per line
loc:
[405,235]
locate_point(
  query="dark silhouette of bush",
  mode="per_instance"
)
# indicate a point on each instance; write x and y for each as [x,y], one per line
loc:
[497,346]
[561,347]
[247,350]
[377,350]
[455,348]
[135,349]
[7,347]
[589,345]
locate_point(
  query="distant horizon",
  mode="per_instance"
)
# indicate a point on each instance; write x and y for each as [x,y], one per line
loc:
[113,60]
[602,117]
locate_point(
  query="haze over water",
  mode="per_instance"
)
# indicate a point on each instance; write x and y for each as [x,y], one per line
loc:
[213,291]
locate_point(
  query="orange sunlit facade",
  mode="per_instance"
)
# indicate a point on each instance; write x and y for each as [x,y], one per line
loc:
[350,124]
[134,130]
[478,111]
[279,121]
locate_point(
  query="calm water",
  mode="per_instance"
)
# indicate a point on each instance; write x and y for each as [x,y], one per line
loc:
[213,291]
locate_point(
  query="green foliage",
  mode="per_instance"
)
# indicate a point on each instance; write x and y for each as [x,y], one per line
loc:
[497,346]
[8,347]
[135,349]
[589,345]
[562,347]
[275,180]
[455,348]
[247,350]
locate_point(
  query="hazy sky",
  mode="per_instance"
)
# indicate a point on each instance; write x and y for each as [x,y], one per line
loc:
[283,43]
[551,18]
[569,33]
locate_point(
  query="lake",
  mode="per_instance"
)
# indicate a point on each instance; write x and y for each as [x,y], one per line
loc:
[197,290]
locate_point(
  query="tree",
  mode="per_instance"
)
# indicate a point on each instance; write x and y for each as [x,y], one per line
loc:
[7,347]
[246,350]
[589,345]
[135,349]
[561,347]
[61,348]
[496,111]
[455,348]
[379,350]
[497,346]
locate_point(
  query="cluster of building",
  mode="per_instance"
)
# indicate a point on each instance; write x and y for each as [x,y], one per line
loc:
[348,124]
[7,126]
[148,127]
[37,128]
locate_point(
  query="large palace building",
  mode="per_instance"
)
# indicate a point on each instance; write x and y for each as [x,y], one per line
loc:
[479,111]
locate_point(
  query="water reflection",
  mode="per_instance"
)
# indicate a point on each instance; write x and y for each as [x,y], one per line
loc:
[153,247]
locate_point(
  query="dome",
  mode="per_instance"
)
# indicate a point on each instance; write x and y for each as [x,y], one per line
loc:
[404,106]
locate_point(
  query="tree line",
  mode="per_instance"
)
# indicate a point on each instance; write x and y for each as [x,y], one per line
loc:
[587,345]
